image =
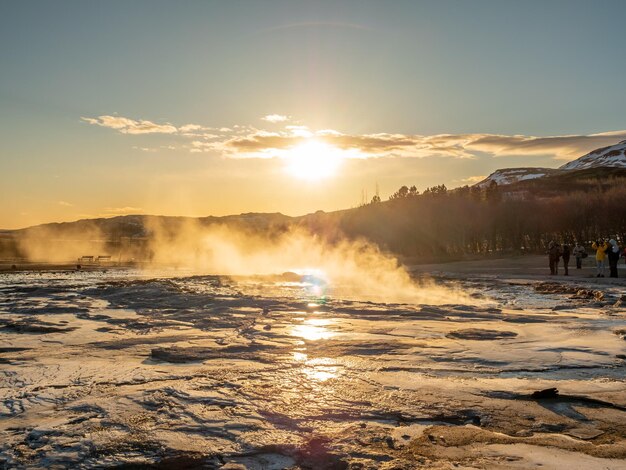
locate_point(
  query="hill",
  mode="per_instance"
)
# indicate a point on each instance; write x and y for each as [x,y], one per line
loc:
[560,182]
[143,225]
[506,176]
[611,156]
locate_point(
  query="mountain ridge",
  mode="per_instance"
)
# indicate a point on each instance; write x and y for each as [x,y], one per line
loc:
[613,156]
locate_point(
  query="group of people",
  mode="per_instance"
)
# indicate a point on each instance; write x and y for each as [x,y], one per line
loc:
[604,251]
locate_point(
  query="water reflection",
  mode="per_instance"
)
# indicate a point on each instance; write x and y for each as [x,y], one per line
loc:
[321,369]
[311,333]
[319,321]
[300,357]
[322,373]
[313,329]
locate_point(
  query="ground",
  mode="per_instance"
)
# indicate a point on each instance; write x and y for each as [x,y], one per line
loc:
[144,369]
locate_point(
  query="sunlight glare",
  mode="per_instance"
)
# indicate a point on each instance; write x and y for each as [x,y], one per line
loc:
[321,374]
[313,160]
[313,329]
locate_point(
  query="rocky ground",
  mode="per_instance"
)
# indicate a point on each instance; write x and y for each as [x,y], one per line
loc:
[147,370]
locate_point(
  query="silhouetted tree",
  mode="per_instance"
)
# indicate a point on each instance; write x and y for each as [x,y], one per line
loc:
[492,192]
[400,193]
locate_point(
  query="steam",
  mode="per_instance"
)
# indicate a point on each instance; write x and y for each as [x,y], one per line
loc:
[354,269]
[61,243]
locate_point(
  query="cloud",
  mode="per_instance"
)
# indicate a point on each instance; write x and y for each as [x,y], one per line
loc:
[471,179]
[145,149]
[274,118]
[561,147]
[65,204]
[262,143]
[190,128]
[123,210]
[243,141]
[379,145]
[131,126]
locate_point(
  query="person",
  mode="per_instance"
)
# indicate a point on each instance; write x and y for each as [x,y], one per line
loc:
[600,248]
[579,252]
[613,255]
[565,250]
[554,252]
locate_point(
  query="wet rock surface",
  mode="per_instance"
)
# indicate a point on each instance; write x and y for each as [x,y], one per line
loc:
[126,370]
[479,334]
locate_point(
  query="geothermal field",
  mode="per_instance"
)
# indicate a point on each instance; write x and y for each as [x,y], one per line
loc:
[166,368]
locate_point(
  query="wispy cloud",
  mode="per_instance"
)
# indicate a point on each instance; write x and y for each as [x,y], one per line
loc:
[65,204]
[190,128]
[561,147]
[145,149]
[274,118]
[471,179]
[260,143]
[242,141]
[131,126]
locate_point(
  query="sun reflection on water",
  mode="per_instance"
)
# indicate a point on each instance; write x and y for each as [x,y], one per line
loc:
[313,329]
[300,357]
[321,374]
[311,333]
[321,369]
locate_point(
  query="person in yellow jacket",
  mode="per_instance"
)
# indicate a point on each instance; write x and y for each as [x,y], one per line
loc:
[600,247]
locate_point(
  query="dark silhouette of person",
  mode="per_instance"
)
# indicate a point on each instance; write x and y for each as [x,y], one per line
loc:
[554,251]
[579,252]
[613,254]
[565,251]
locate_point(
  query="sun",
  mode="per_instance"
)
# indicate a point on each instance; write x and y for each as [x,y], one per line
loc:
[313,160]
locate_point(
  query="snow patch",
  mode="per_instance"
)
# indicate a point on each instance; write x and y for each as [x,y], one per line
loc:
[511,175]
[612,156]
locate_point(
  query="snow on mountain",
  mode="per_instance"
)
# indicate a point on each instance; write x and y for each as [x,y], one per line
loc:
[512,175]
[612,156]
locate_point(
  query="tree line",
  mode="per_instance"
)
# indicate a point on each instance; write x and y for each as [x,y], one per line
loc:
[442,223]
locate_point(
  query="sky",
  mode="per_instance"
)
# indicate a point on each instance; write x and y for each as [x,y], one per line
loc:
[223,107]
